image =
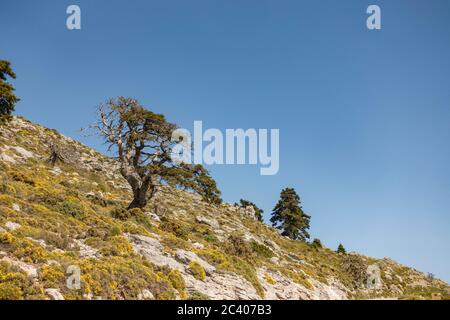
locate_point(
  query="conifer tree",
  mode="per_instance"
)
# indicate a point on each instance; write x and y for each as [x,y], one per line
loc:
[7,98]
[341,249]
[289,217]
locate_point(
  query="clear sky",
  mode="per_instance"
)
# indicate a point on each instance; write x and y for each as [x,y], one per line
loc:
[363,115]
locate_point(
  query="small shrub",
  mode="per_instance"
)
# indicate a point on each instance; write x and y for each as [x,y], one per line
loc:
[120,213]
[177,281]
[236,246]
[5,238]
[71,208]
[197,270]
[52,276]
[116,246]
[316,244]
[198,296]
[177,228]
[269,279]
[21,177]
[10,291]
[7,188]
[261,250]
[115,231]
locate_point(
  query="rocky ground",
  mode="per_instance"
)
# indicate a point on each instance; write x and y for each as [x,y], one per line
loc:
[55,219]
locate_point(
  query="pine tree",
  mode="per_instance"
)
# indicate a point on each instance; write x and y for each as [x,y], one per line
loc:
[7,98]
[289,217]
[341,249]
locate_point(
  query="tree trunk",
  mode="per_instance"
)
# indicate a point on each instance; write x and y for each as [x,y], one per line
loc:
[139,198]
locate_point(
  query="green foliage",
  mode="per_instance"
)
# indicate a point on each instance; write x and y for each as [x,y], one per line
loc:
[205,185]
[197,270]
[261,250]
[71,208]
[258,212]
[10,291]
[236,246]
[177,281]
[341,249]
[22,177]
[179,229]
[317,244]
[289,217]
[198,296]
[8,99]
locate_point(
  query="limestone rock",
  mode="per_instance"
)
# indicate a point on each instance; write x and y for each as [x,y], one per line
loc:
[145,295]
[210,222]
[85,250]
[152,250]
[11,226]
[187,257]
[54,294]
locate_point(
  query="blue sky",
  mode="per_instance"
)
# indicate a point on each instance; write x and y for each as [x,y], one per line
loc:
[363,115]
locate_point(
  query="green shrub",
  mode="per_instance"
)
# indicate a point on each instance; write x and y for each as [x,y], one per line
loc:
[179,229]
[120,213]
[261,250]
[177,281]
[198,296]
[71,208]
[10,291]
[197,270]
[236,246]
[316,244]
[21,177]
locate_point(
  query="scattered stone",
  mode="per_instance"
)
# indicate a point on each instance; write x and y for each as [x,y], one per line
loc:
[56,171]
[145,295]
[54,294]
[16,207]
[153,216]
[198,246]
[274,260]
[11,226]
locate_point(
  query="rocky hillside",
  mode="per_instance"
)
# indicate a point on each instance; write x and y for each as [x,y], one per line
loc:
[55,219]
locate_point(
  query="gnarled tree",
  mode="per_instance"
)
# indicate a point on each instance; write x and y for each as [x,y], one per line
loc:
[143,140]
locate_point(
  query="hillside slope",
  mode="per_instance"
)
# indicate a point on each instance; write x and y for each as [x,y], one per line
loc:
[57,219]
